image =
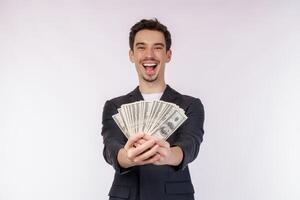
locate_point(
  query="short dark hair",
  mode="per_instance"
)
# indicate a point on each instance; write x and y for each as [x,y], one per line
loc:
[150,24]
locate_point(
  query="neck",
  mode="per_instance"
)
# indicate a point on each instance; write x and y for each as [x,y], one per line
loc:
[152,87]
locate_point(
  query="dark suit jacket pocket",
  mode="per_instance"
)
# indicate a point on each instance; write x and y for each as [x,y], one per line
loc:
[119,192]
[182,187]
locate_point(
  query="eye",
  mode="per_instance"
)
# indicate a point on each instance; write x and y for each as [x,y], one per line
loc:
[141,48]
[158,48]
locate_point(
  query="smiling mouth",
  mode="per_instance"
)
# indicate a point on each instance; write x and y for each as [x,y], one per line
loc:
[150,68]
[150,65]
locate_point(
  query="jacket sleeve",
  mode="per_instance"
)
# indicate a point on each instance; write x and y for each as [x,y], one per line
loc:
[113,138]
[191,133]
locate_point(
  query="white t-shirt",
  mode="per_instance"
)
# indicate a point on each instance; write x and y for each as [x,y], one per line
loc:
[152,96]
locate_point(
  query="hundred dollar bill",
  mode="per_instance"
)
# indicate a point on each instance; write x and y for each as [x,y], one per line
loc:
[119,121]
[170,125]
[158,118]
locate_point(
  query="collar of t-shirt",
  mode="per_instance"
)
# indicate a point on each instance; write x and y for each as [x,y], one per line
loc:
[152,96]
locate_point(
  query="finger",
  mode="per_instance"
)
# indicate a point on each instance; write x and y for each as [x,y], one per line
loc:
[132,140]
[139,142]
[162,143]
[162,151]
[148,154]
[158,162]
[156,158]
[148,137]
[136,144]
[140,149]
[151,160]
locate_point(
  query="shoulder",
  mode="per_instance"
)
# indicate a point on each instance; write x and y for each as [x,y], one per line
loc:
[186,100]
[118,101]
[123,99]
[192,106]
[111,105]
[189,102]
[189,98]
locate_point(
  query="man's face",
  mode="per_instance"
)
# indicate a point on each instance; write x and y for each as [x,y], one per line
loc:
[149,55]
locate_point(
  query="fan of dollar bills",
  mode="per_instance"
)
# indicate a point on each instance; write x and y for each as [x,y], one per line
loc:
[157,118]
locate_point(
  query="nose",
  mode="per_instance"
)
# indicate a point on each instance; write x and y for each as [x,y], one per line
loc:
[149,53]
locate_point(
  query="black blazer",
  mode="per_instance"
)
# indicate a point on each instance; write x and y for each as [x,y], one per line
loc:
[151,182]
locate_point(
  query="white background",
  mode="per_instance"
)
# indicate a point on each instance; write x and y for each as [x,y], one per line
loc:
[60,61]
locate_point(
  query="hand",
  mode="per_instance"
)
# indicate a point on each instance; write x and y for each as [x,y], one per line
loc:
[139,142]
[167,155]
[164,151]
[140,151]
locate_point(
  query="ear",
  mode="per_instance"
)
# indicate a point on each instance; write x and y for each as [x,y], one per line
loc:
[131,57]
[169,55]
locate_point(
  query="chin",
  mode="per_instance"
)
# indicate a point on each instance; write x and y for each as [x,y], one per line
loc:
[150,79]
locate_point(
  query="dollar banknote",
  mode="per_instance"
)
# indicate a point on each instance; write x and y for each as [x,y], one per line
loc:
[158,118]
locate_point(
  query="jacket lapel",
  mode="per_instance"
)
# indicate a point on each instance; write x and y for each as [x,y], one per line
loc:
[135,95]
[169,95]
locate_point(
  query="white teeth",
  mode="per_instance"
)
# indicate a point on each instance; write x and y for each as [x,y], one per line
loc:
[149,64]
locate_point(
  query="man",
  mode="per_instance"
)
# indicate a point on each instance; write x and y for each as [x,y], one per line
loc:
[148,168]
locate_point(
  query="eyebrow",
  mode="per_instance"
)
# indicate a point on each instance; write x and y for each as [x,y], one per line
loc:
[159,44]
[156,44]
[139,43]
